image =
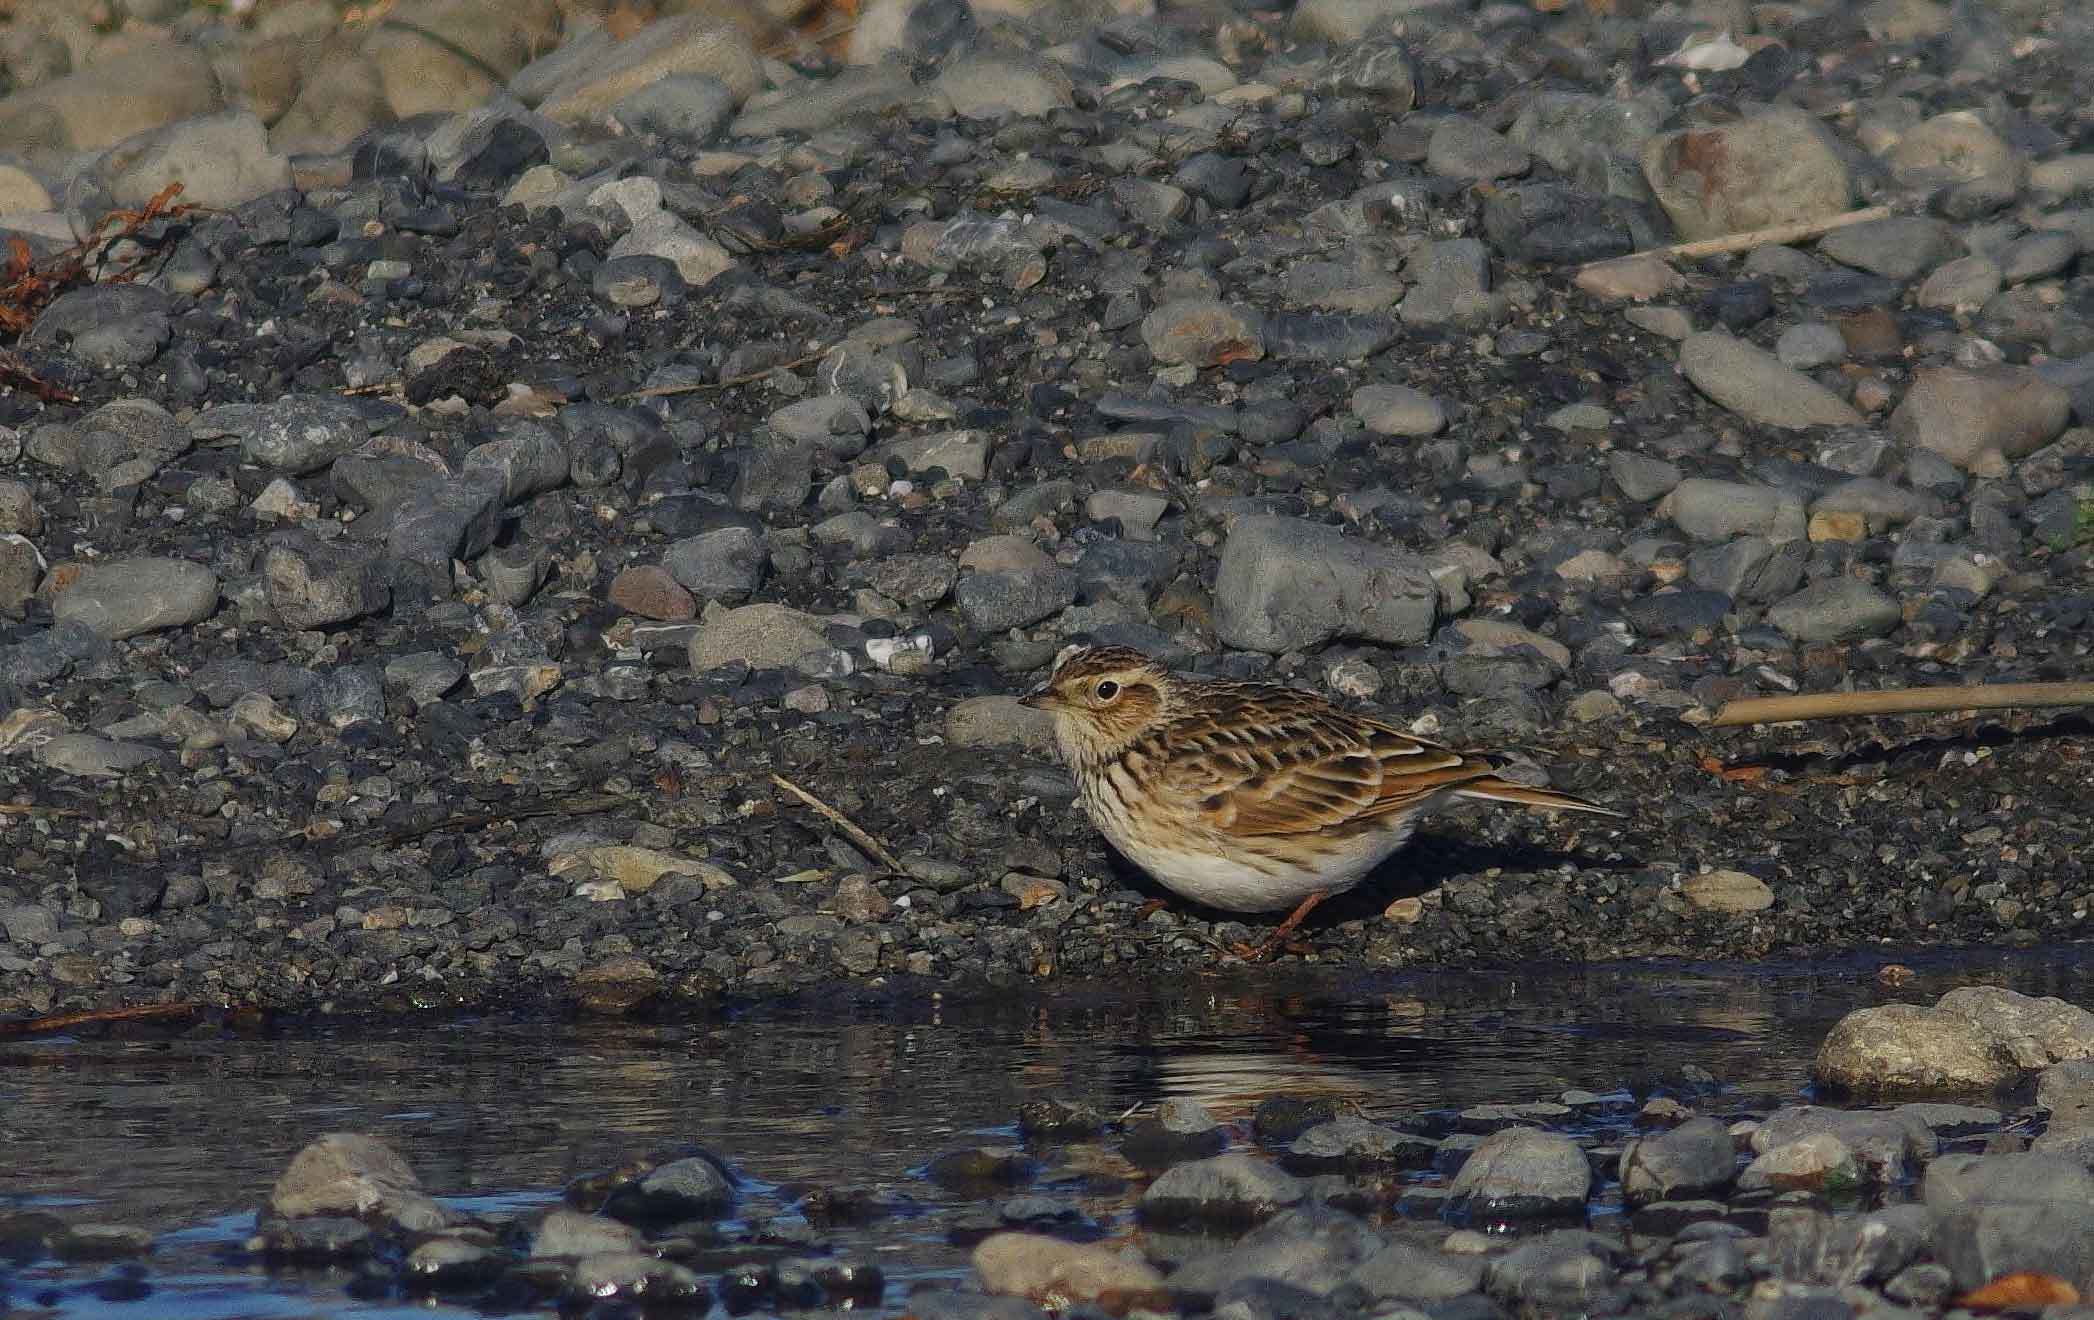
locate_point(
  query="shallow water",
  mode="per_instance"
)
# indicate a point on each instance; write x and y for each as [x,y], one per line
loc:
[186,1135]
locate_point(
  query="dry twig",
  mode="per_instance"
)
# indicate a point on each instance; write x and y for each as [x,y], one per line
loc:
[1904,701]
[842,822]
[707,387]
[64,1021]
[1757,238]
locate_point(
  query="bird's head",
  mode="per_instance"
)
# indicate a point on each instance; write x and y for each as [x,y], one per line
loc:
[1103,699]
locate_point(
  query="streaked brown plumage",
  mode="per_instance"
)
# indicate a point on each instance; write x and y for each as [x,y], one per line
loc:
[1251,797]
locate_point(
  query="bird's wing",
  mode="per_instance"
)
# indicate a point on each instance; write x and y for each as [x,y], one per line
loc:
[1272,766]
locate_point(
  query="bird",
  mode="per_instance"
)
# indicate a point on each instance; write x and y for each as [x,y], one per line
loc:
[1251,797]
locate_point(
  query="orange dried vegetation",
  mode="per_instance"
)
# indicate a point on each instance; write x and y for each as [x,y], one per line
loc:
[2026,1291]
[28,286]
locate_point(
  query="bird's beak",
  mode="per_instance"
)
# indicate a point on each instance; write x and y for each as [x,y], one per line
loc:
[1040,698]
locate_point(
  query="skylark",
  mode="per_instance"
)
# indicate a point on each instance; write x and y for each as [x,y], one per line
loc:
[1251,797]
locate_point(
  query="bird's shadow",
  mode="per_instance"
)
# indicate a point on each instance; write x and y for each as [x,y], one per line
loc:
[1427,862]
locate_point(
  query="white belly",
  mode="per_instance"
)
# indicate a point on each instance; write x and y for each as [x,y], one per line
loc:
[1235,878]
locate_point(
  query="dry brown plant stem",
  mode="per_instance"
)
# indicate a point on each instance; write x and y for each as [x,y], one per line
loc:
[1903,701]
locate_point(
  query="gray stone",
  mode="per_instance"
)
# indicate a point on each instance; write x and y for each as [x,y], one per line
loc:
[91,756]
[1398,410]
[868,537]
[29,924]
[692,1188]
[2038,255]
[1774,168]
[1377,69]
[915,580]
[1286,583]
[1710,510]
[2055,465]
[1887,1147]
[995,602]
[1960,1179]
[513,573]
[1522,1172]
[1856,451]
[1981,1241]
[962,454]
[1462,148]
[122,443]
[1978,419]
[1836,610]
[774,477]
[821,104]
[449,1262]
[837,423]
[1450,284]
[109,325]
[570,1233]
[314,585]
[1352,1142]
[1407,1272]
[986,85]
[1754,384]
[999,721]
[1557,1270]
[1899,248]
[1819,1162]
[1223,1189]
[1642,478]
[442,521]
[1811,344]
[529,458]
[424,676]
[1203,332]
[1974,1039]
[125,597]
[1750,568]
[1311,1248]
[351,1174]
[296,434]
[694,107]
[762,636]
[1967,283]
[348,695]
[1885,504]
[1137,511]
[725,564]
[1694,1159]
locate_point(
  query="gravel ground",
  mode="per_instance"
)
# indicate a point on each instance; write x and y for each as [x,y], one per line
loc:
[457,534]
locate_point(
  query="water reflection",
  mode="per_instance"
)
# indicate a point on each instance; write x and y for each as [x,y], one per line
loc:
[859,1090]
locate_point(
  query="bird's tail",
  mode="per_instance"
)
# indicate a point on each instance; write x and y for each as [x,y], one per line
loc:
[1490,788]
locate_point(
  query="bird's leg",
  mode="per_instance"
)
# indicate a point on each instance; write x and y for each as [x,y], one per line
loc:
[1148,909]
[1266,947]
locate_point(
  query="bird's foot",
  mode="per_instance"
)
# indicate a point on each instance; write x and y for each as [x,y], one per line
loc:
[1270,945]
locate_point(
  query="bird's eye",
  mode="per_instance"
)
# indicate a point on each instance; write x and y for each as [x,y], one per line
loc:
[1107,690]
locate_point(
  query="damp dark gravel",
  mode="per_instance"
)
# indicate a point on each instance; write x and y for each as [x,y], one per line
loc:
[447,550]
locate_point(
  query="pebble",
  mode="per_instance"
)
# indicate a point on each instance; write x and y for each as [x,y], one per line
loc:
[126,598]
[1757,385]
[1267,598]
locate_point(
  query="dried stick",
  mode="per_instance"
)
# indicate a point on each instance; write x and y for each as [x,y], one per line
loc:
[842,822]
[1755,238]
[706,387]
[62,1021]
[1905,701]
